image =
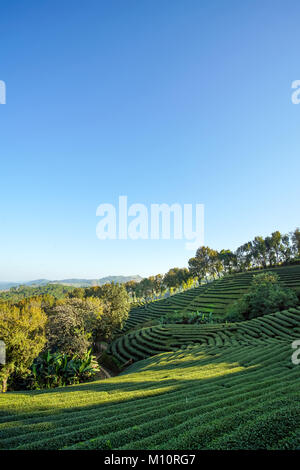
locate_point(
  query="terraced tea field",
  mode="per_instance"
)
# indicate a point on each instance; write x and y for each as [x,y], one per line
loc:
[234,388]
[146,342]
[213,297]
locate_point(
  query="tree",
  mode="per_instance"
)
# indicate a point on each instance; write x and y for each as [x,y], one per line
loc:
[259,252]
[131,287]
[199,265]
[215,266]
[285,249]
[72,324]
[206,263]
[22,328]
[273,248]
[158,282]
[116,305]
[176,277]
[77,293]
[296,242]
[266,295]
[228,260]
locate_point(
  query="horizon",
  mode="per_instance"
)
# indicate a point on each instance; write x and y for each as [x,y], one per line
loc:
[189,103]
[70,278]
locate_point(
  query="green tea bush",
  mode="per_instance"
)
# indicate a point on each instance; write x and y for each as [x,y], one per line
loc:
[187,318]
[266,295]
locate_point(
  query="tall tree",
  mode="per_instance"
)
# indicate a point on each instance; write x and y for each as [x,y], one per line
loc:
[206,263]
[296,242]
[175,277]
[228,260]
[22,328]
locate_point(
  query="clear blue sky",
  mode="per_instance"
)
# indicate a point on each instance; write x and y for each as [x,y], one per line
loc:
[162,101]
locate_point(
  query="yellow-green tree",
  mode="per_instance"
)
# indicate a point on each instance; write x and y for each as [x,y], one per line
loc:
[22,328]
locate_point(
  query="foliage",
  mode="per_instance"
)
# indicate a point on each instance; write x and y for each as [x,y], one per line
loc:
[266,295]
[238,395]
[212,296]
[296,242]
[57,370]
[22,328]
[71,324]
[176,277]
[116,305]
[205,263]
[274,250]
[15,294]
[197,318]
[261,252]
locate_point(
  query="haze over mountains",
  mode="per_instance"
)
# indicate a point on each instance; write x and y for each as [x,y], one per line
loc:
[71,282]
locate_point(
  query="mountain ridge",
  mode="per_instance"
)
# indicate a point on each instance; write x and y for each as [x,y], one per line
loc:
[76,282]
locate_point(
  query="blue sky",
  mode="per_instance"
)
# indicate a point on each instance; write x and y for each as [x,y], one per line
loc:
[162,101]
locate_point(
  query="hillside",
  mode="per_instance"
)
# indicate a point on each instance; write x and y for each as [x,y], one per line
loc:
[242,392]
[212,297]
[146,342]
[210,386]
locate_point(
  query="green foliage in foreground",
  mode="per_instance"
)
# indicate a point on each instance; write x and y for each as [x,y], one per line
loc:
[266,295]
[57,370]
[227,395]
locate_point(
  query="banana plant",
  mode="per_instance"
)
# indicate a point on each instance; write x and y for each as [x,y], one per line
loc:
[56,369]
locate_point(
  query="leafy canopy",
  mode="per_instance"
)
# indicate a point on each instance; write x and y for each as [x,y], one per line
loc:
[266,295]
[22,328]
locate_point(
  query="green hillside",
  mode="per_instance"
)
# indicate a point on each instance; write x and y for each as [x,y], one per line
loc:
[235,388]
[145,342]
[210,386]
[212,297]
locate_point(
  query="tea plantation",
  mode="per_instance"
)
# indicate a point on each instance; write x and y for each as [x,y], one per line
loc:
[220,386]
[213,297]
[146,342]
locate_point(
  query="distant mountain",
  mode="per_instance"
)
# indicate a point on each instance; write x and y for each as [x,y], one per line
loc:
[72,282]
[8,285]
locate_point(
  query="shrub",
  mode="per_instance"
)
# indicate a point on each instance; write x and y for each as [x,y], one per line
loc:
[57,370]
[187,318]
[266,295]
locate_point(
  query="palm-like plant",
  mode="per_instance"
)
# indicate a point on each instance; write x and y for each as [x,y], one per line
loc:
[56,369]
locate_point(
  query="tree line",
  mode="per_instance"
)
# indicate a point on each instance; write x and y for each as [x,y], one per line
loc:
[208,263]
[259,253]
[36,328]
